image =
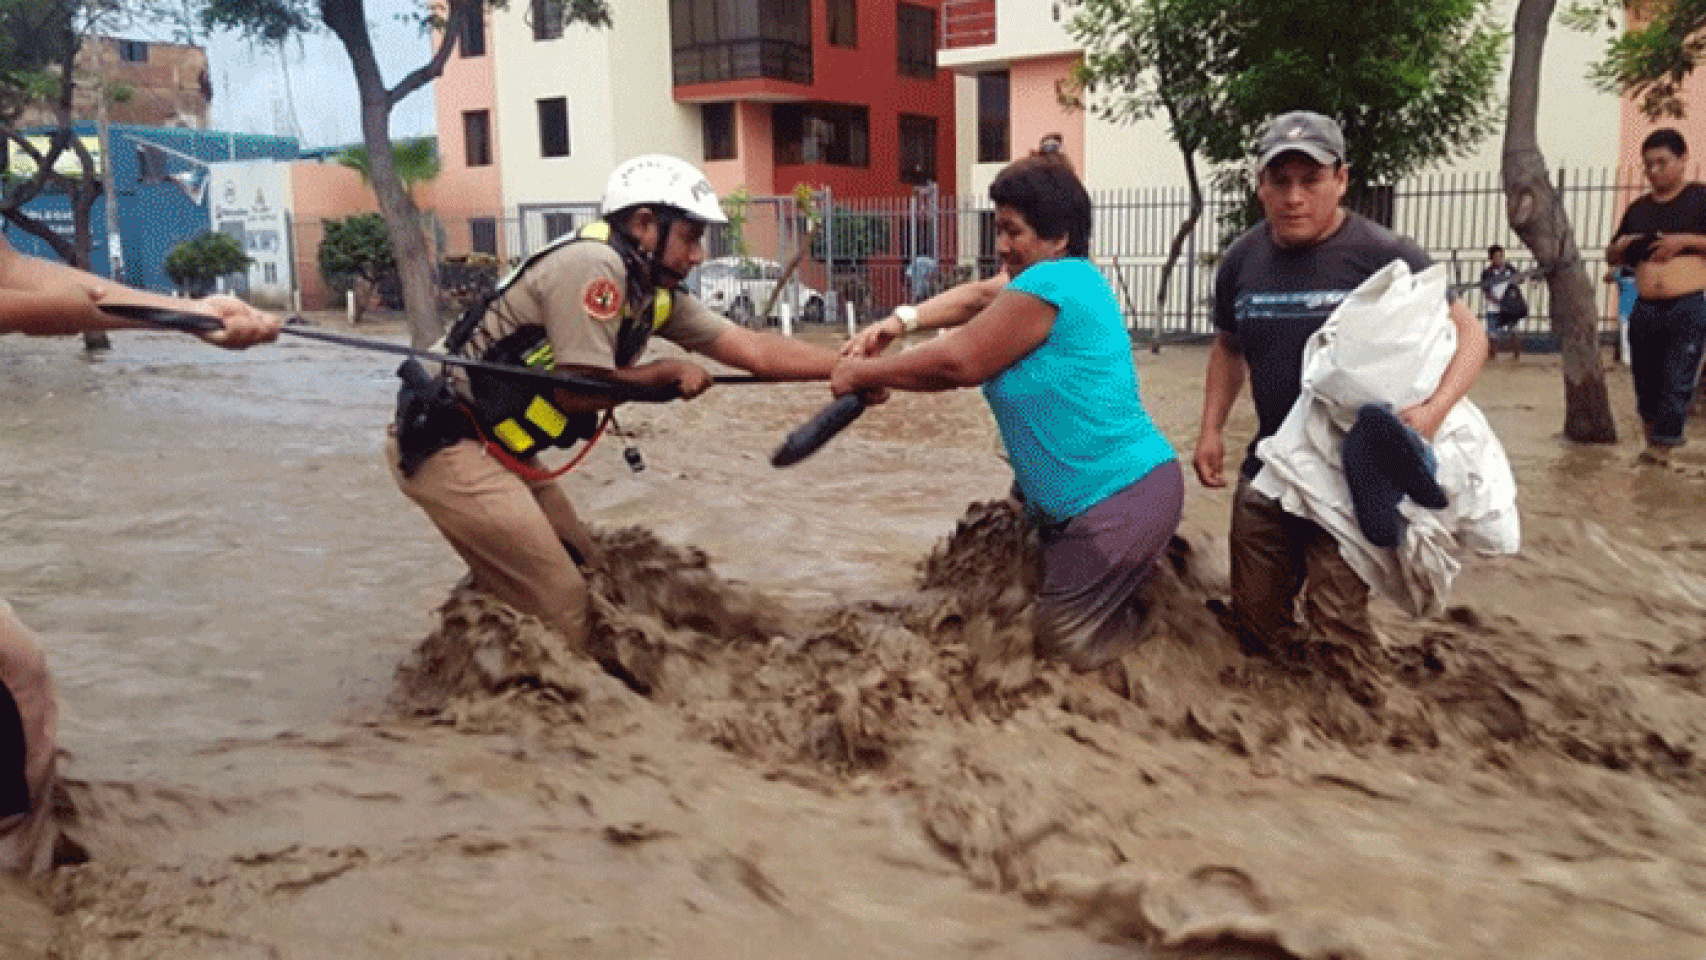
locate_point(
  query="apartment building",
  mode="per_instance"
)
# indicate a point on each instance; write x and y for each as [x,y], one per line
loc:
[1012,57]
[765,95]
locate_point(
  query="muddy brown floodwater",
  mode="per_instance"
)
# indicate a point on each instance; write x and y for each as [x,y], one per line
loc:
[290,737]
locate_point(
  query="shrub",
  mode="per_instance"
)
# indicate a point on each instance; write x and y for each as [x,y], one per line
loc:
[196,263]
[858,236]
[355,254]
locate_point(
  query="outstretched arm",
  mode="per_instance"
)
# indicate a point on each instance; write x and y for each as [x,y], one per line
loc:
[43,298]
[950,308]
[771,357]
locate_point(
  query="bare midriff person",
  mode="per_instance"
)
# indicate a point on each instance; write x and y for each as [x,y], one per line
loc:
[1663,234]
[1681,273]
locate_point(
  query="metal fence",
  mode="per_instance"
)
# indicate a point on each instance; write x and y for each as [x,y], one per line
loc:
[872,255]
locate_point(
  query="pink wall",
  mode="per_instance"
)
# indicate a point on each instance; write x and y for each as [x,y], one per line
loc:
[461,191]
[754,165]
[1036,110]
[320,192]
[1635,127]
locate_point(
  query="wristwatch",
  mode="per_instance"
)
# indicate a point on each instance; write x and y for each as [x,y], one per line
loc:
[907,314]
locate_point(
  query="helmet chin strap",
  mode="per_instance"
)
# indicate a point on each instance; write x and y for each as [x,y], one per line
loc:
[656,273]
[661,275]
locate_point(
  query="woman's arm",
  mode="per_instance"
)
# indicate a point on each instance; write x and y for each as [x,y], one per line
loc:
[1011,326]
[950,308]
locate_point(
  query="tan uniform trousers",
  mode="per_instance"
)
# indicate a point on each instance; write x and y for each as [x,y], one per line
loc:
[511,532]
[27,839]
[1279,558]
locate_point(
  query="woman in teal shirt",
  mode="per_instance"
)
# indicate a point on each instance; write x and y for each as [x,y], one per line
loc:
[1050,349]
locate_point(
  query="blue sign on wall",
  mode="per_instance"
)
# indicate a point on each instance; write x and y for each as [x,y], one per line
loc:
[156,211]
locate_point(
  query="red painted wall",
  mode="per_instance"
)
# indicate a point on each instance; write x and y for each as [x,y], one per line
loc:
[864,75]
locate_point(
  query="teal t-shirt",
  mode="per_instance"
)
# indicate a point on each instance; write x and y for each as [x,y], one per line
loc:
[1070,415]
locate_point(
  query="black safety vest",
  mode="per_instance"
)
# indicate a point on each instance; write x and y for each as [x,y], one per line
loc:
[517,414]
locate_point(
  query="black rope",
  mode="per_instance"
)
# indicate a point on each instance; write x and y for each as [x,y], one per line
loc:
[561,380]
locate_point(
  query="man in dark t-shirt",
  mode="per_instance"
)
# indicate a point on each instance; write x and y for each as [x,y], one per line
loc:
[1275,286]
[1663,238]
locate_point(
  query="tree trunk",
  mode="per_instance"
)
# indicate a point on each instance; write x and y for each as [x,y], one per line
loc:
[408,240]
[1178,245]
[1536,214]
[83,195]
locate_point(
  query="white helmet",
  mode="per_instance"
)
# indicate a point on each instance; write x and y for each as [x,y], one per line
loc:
[656,179]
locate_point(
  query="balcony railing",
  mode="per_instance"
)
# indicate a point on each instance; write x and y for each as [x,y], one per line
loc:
[968,23]
[743,60]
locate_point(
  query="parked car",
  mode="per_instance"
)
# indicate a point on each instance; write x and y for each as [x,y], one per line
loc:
[739,287]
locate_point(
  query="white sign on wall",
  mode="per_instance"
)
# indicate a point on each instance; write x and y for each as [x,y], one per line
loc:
[247,199]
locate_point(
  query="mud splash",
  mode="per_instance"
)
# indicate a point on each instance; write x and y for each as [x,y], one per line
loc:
[904,698]
[875,765]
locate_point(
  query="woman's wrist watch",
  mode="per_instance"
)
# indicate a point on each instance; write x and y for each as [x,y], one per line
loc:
[907,314]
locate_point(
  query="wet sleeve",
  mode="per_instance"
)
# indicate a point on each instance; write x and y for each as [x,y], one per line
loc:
[692,325]
[580,293]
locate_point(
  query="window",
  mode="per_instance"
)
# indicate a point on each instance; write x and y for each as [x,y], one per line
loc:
[821,133]
[477,137]
[547,19]
[915,41]
[554,127]
[718,121]
[133,51]
[474,34]
[843,22]
[993,110]
[917,149]
[716,40]
[557,224]
[269,272]
[483,235]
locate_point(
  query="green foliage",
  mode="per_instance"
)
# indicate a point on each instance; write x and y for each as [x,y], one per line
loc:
[270,21]
[34,35]
[857,237]
[1141,56]
[415,161]
[357,247]
[1412,82]
[196,263]
[734,207]
[1651,61]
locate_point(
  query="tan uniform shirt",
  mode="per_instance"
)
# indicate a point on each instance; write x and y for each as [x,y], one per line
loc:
[579,295]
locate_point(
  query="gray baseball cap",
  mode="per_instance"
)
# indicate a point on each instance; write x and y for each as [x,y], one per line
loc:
[1310,134]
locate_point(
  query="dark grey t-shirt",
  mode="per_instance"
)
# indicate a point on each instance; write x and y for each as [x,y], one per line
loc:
[1273,299]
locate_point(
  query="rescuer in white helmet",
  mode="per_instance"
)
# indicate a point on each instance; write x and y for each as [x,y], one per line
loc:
[465,441]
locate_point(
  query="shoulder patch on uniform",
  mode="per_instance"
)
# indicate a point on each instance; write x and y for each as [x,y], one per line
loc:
[602,298]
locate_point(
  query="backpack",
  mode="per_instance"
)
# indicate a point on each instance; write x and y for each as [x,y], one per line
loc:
[1512,307]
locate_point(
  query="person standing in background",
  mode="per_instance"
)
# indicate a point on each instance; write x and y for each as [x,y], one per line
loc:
[1662,237]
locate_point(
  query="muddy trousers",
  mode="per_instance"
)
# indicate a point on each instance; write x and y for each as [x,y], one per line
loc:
[1091,601]
[1281,562]
[514,535]
[1665,340]
[28,749]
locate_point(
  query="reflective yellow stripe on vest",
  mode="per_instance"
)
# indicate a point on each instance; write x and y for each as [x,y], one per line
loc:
[541,423]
